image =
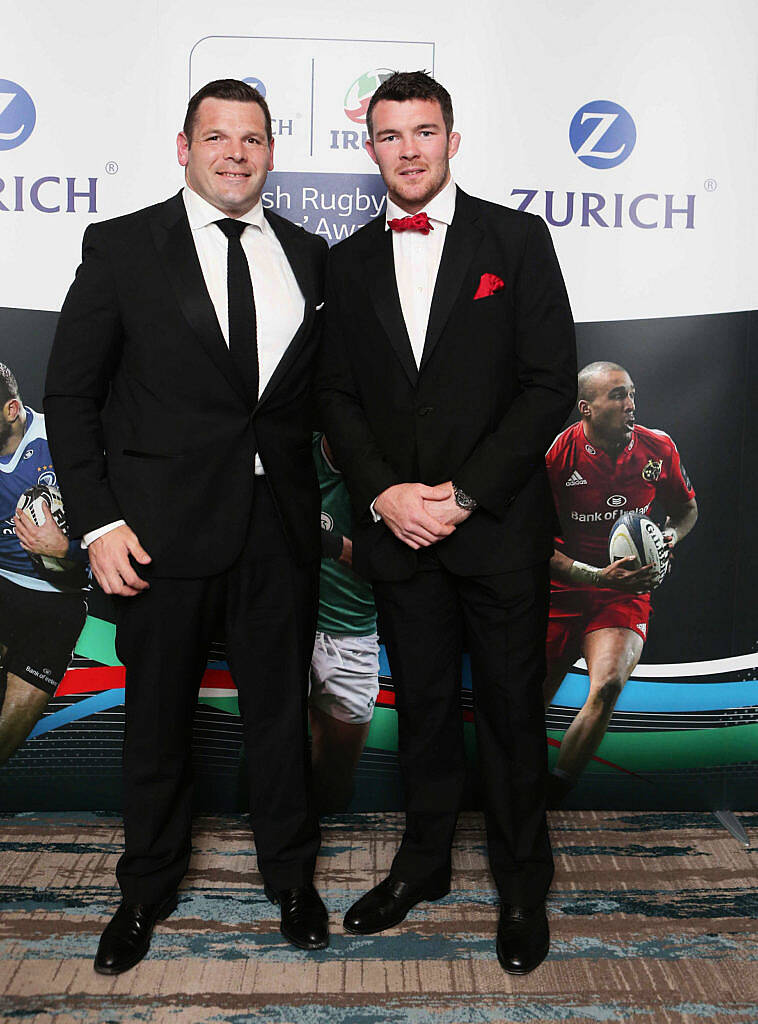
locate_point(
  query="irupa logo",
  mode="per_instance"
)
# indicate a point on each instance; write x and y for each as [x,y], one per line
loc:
[356,103]
[359,94]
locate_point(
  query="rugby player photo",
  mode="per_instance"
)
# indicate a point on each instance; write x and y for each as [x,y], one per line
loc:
[601,468]
[344,680]
[42,573]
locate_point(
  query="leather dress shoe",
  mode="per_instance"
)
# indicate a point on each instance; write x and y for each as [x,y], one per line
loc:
[304,919]
[126,938]
[523,938]
[388,903]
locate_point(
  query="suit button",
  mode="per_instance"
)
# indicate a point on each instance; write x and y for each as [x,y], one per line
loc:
[425,410]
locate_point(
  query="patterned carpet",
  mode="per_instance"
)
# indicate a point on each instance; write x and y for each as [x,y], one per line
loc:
[653,918]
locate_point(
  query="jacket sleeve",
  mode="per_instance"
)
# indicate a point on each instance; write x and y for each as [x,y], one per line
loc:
[86,351]
[505,459]
[342,417]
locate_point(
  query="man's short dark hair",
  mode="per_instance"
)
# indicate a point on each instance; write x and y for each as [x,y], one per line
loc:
[225,89]
[8,385]
[411,85]
[588,378]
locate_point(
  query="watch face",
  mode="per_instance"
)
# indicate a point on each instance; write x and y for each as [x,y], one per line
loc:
[462,500]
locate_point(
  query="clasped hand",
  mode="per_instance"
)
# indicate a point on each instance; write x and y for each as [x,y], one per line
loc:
[419,515]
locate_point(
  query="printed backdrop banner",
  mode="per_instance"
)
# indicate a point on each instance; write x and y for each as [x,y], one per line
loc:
[632,133]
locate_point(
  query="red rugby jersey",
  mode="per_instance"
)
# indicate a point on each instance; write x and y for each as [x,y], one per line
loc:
[591,489]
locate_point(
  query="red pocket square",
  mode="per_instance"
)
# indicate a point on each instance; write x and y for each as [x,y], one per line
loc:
[488,285]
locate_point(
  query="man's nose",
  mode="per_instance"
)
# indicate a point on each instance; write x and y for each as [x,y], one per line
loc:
[409,149]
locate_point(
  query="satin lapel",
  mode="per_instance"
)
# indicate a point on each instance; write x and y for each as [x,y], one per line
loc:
[461,241]
[303,269]
[382,284]
[173,240]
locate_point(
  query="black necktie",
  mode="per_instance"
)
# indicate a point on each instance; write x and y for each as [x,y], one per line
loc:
[243,340]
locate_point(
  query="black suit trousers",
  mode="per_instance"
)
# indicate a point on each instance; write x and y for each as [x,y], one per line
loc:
[503,618]
[266,605]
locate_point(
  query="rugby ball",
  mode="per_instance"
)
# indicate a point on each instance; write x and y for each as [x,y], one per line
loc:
[636,536]
[36,503]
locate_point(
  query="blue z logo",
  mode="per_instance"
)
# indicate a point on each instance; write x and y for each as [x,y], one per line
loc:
[602,134]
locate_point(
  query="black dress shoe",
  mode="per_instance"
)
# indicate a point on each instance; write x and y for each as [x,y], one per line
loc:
[388,903]
[126,938]
[304,920]
[523,938]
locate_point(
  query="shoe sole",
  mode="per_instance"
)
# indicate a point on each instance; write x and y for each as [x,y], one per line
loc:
[304,945]
[166,911]
[431,897]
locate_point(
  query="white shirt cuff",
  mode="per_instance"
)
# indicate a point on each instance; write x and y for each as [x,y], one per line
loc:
[92,536]
[374,514]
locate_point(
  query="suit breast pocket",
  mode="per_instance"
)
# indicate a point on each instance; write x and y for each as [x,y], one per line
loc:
[133,454]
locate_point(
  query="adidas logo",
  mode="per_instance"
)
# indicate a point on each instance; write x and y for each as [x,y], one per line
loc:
[576,479]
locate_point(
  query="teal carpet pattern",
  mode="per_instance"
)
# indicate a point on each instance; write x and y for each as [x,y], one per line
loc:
[654,919]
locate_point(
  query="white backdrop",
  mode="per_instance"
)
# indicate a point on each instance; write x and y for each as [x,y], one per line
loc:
[614,112]
[110,83]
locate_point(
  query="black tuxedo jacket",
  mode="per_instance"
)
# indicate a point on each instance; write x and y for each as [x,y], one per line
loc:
[148,420]
[496,382]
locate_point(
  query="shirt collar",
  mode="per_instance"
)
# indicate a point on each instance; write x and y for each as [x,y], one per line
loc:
[439,209]
[201,213]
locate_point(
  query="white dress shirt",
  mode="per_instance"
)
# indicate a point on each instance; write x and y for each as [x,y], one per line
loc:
[417,262]
[279,303]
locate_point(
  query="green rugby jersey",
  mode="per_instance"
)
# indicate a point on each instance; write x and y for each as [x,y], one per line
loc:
[346,602]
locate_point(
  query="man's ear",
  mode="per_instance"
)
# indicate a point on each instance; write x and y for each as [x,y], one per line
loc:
[12,410]
[371,151]
[182,149]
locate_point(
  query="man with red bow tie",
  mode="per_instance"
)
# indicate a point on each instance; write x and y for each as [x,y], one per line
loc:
[448,367]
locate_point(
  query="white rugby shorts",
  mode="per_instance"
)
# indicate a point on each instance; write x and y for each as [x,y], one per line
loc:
[345,676]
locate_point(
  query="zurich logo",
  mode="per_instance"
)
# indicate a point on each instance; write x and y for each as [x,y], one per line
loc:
[17,114]
[602,134]
[256,84]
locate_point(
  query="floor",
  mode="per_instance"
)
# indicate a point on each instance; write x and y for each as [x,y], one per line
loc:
[654,918]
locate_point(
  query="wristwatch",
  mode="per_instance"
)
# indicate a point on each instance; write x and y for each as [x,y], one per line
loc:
[463,500]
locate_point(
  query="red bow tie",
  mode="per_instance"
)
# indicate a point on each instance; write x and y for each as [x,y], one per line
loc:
[419,222]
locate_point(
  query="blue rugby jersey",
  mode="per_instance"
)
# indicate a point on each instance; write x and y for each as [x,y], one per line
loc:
[30,464]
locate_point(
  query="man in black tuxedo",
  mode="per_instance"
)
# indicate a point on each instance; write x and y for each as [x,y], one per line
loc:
[178,406]
[448,366]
